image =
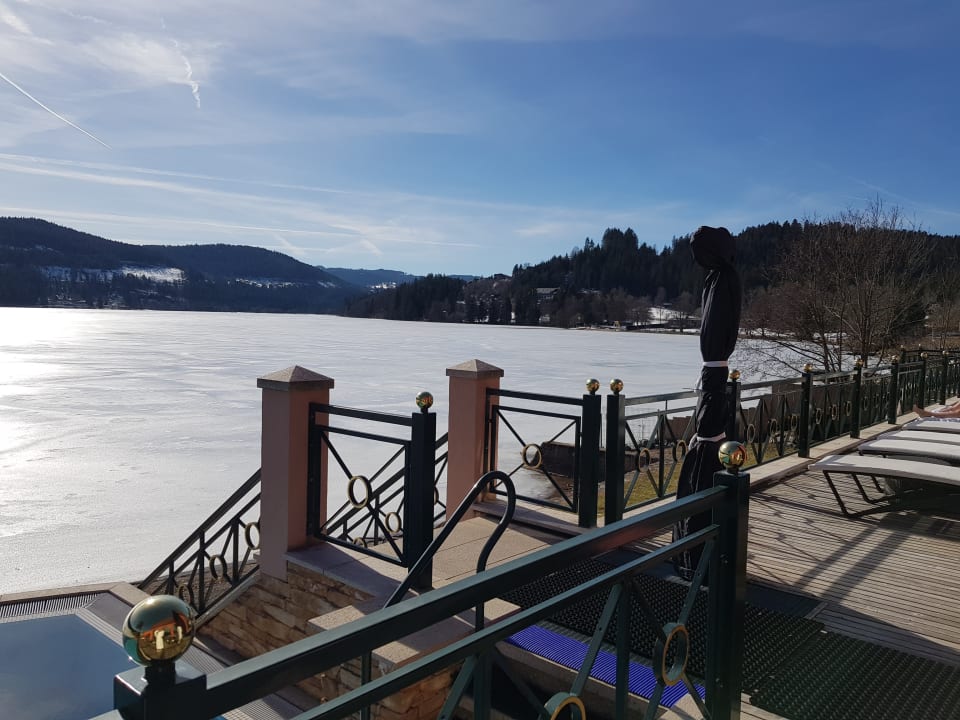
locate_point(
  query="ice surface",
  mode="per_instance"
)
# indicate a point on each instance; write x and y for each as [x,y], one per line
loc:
[121,430]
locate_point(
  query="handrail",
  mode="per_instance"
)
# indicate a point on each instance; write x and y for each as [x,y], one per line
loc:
[209,695]
[197,534]
[487,479]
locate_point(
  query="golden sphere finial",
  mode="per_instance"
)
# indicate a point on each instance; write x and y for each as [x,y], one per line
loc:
[735,375]
[924,355]
[894,359]
[732,455]
[424,400]
[158,630]
[808,368]
[616,385]
[858,363]
[593,385]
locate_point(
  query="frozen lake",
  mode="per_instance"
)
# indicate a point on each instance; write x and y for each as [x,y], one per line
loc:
[120,431]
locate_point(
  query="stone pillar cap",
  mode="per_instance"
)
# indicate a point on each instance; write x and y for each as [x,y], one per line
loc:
[474,369]
[295,378]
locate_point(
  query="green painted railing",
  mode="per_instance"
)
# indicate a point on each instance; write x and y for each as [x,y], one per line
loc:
[185,694]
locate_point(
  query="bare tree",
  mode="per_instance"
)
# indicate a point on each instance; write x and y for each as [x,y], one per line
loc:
[847,287]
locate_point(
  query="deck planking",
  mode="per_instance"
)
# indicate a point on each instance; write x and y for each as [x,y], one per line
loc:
[892,579]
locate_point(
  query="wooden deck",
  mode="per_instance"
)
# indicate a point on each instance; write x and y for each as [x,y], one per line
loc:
[892,579]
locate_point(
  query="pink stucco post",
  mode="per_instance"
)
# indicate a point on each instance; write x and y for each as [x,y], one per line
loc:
[468,391]
[283,462]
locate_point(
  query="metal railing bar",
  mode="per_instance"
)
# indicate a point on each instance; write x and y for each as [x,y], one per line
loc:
[364,435]
[217,514]
[342,411]
[251,679]
[521,395]
[657,413]
[532,411]
[664,397]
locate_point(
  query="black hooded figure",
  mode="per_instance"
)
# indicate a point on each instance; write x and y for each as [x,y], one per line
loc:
[714,250]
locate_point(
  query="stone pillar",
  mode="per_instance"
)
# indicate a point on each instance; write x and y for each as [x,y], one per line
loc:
[283,463]
[468,391]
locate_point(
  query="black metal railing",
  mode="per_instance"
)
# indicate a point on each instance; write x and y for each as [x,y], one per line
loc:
[567,455]
[392,494]
[186,695]
[647,439]
[217,557]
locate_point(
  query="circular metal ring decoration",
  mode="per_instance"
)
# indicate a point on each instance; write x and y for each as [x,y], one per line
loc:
[818,416]
[566,700]
[221,561]
[794,421]
[680,450]
[751,433]
[834,411]
[773,426]
[436,495]
[848,409]
[248,537]
[537,462]
[360,480]
[184,592]
[647,458]
[359,542]
[676,633]
[865,403]
[393,522]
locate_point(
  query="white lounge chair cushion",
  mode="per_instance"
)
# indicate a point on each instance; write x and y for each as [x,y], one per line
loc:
[922,435]
[889,467]
[945,425]
[918,448]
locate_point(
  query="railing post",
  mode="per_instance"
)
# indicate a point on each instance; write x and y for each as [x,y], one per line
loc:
[857,402]
[944,365]
[284,441]
[418,489]
[728,583]
[893,400]
[615,449]
[806,392]
[466,426]
[589,480]
[733,404]
[922,400]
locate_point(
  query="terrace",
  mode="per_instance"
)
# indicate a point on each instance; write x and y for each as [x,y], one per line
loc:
[861,610]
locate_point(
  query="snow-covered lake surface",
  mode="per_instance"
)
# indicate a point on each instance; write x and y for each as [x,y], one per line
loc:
[120,431]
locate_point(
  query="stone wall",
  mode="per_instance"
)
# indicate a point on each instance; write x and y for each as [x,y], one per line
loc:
[273,613]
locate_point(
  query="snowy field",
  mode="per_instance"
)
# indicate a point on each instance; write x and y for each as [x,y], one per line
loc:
[121,430]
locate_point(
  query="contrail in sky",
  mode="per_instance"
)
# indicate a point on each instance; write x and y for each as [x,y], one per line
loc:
[52,112]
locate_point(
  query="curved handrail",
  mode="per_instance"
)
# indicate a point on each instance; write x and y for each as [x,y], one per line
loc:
[487,480]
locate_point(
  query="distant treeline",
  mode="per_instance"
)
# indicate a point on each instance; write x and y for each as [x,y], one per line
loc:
[616,280]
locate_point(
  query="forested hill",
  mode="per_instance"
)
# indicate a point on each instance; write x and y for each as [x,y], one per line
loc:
[43,264]
[620,279]
[617,279]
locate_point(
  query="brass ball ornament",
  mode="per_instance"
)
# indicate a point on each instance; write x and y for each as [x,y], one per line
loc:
[732,455]
[735,375]
[424,400]
[616,385]
[593,385]
[158,630]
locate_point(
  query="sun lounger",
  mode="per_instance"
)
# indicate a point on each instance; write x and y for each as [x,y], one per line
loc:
[938,487]
[944,425]
[904,447]
[923,436]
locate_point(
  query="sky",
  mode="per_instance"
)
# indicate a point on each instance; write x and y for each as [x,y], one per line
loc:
[465,137]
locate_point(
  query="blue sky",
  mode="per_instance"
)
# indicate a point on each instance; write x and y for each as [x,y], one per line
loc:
[465,137]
